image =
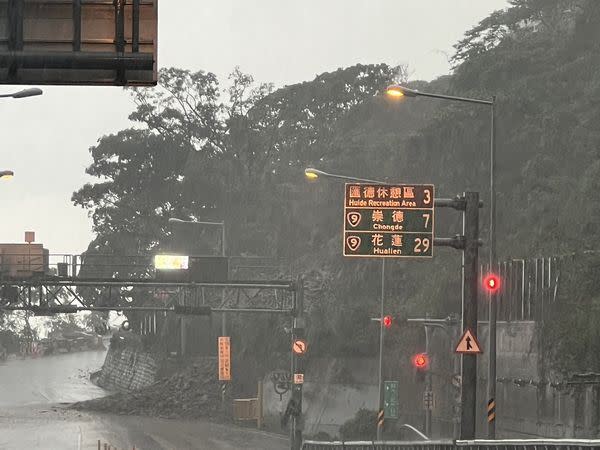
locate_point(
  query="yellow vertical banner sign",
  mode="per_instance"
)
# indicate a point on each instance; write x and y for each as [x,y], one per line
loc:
[224,358]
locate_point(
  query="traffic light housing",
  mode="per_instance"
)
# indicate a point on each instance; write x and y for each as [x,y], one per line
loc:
[491,283]
[387,321]
[420,362]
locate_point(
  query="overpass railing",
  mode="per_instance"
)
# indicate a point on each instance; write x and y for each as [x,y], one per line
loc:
[505,444]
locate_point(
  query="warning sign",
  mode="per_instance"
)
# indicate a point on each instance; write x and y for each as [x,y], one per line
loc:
[299,346]
[298,378]
[468,344]
[224,358]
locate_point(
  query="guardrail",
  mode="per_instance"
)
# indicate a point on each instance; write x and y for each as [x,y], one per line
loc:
[501,444]
[379,445]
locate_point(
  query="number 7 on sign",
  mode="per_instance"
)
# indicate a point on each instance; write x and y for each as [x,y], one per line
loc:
[427,217]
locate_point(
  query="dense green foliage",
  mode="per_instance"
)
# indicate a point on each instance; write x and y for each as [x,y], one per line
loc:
[238,155]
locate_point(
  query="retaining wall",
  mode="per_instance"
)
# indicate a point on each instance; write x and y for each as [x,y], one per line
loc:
[127,369]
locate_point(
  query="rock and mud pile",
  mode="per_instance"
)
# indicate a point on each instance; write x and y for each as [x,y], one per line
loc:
[190,393]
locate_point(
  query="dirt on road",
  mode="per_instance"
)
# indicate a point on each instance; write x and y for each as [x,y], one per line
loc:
[57,427]
[193,392]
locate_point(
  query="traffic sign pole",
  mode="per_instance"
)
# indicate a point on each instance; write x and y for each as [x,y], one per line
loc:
[493,297]
[380,422]
[298,355]
[469,313]
[428,387]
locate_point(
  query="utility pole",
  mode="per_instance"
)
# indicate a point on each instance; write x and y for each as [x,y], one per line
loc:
[469,312]
[493,298]
[223,315]
[380,411]
[428,385]
[298,367]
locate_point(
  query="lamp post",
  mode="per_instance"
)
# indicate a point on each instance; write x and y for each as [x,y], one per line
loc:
[173,220]
[398,91]
[24,93]
[312,175]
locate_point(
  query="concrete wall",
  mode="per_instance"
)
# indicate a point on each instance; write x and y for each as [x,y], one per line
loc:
[335,389]
[126,369]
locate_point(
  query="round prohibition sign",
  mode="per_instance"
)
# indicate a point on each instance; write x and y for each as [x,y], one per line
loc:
[299,346]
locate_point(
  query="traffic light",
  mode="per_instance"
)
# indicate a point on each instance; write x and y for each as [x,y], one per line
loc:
[421,361]
[387,321]
[491,283]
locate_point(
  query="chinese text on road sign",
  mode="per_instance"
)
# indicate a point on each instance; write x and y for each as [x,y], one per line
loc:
[299,346]
[224,358]
[468,343]
[389,221]
[390,399]
[298,378]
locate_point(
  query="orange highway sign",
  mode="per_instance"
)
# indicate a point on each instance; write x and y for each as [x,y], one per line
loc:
[224,358]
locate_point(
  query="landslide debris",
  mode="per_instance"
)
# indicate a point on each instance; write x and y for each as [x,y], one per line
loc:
[193,392]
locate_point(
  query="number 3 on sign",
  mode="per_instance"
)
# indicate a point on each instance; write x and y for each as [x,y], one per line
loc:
[427,193]
[421,245]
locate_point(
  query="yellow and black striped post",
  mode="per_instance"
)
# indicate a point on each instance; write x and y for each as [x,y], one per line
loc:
[380,419]
[491,410]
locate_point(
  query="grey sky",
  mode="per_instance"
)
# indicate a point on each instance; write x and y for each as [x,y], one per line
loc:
[46,139]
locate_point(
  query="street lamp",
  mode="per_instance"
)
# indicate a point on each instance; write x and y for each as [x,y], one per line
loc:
[397,91]
[6,174]
[24,93]
[313,174]
[173,220]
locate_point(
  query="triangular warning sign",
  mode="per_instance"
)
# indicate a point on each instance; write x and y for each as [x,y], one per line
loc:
[468,344]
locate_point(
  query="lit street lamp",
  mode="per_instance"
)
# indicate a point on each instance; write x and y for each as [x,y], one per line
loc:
[313,174]
[397,91]
[6,174]
[24,93]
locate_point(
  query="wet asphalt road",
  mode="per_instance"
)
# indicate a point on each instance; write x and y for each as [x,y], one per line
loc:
[34,393]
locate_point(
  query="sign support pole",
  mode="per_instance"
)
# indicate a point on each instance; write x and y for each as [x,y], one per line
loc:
[428,387]
[469,312]
[297,367]
[381,414]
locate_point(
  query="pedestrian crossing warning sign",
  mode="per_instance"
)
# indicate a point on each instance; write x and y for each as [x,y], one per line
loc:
[468,344]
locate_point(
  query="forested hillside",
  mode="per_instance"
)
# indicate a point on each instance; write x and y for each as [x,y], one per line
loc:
[238,154]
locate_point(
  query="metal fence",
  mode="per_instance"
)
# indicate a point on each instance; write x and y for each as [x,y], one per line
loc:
[512,444]
[531,287]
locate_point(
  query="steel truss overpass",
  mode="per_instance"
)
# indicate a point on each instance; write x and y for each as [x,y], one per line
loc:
[53,295]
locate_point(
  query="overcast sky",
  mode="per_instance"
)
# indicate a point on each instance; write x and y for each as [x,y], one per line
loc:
[45,140]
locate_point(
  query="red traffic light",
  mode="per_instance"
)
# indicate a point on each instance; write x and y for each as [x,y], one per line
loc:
[421,361]
[491,283]
[387,321]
